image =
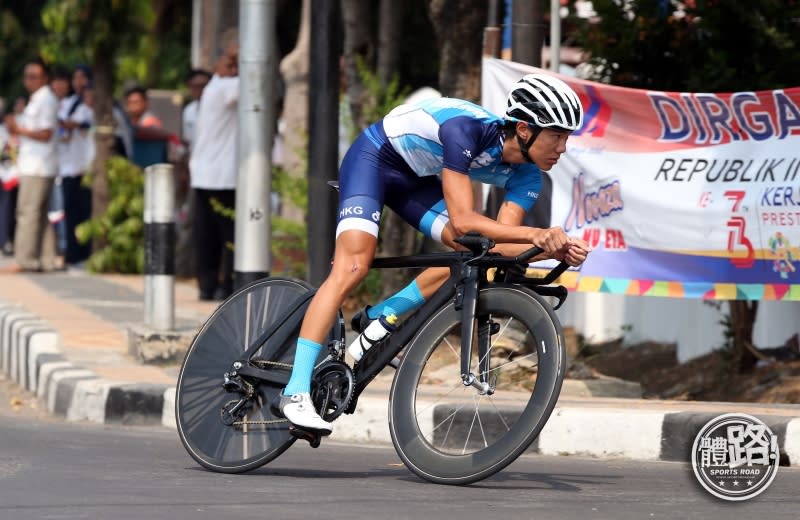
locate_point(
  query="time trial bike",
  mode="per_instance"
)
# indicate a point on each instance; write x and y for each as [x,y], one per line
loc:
[479,368]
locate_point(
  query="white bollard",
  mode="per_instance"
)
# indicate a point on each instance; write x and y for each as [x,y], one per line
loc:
[159,247]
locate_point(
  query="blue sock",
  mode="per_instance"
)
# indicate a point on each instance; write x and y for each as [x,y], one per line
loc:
[304,360]
[407,299]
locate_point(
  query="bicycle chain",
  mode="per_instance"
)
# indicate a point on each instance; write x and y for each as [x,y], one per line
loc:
[261,423]
[262,363]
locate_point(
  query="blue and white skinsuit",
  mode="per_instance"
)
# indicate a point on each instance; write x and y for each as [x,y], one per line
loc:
[398,161]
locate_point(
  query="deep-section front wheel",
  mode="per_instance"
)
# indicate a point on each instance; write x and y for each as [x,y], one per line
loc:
[450,433]
[221,427]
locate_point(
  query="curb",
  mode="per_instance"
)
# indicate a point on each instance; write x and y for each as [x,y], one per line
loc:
[31,355]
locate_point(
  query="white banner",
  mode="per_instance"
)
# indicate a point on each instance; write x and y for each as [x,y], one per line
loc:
[680,194]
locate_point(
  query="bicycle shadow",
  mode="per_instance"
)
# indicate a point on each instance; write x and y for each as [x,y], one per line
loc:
[311,473]
[509,480]
[543,481]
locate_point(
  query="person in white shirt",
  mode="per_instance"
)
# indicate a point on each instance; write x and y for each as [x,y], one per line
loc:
[213,167]
[196,81]
[77,153]
[61,87]
[6,175]
[37,164]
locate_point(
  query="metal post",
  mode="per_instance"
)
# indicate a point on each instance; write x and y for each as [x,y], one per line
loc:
[527,38]
[555,35]
[527,34]
[159,247]
[323,137]
[197,24]
[256,120]
[492,33]
[486,197]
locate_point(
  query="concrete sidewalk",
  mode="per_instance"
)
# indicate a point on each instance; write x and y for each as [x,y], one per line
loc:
[63,337]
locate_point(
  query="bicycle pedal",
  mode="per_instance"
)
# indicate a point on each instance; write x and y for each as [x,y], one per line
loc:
[313,438]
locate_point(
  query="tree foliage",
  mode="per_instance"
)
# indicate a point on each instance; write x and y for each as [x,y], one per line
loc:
[91,25]
[149,39]
[121,228]
[20,29]
[707,45]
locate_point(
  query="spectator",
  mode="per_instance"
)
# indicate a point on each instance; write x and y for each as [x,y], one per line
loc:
[7,175]
[19,104]
[89,101]
[37,128]
[138,108]
[10,180]
[150,140]
[196,81]
[81,78]
[214,169]
[62,88]
[76,153]
[123,131]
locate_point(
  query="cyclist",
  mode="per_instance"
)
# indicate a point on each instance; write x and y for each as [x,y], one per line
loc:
[420,161]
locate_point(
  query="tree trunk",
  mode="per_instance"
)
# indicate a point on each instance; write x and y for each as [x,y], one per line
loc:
[294,69]
[104,136]
[460,54]
[391,12]
[358,44]
[743,317]
[398,237]
[459,45]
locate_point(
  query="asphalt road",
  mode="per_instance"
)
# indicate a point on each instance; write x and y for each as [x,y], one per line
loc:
[50,469]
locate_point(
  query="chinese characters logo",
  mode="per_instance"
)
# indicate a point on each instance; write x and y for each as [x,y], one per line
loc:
[735,456]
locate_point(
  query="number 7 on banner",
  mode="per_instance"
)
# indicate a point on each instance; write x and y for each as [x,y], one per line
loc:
[736,234]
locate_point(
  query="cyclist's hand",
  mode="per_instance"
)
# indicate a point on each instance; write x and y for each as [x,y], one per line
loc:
[551,240]
[575,252]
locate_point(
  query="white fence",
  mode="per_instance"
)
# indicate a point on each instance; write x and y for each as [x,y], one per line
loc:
[691,324]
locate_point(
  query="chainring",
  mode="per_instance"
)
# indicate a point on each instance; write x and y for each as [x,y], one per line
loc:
[332,389]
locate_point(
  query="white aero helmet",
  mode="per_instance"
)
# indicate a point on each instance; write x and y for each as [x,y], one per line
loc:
[545,101]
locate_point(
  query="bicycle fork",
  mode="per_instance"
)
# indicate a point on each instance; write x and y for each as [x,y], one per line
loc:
[467,302]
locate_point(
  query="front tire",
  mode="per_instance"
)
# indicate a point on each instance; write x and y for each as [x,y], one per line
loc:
[448,433]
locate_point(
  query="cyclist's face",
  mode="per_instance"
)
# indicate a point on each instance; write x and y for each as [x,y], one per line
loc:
[548,147]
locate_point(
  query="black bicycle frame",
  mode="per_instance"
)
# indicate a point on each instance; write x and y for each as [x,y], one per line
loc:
[467,275]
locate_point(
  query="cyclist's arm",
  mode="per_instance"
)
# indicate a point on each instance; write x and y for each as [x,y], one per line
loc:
[458,197]
[574,252]
[510,214]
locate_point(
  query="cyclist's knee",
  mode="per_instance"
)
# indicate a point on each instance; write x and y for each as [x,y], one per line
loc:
[349,271]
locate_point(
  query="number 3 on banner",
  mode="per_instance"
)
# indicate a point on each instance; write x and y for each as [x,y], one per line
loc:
[736,233]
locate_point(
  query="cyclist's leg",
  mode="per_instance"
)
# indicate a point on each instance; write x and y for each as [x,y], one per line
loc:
[354,253]
[361,201]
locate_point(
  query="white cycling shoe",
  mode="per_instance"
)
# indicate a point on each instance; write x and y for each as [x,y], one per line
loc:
[299,410]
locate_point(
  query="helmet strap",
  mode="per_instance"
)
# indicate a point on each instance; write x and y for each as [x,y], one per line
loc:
[524,147]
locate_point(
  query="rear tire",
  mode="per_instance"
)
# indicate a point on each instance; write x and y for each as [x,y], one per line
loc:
[448,433]
[200,398]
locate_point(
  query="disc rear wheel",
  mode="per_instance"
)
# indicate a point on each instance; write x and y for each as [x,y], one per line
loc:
[233,429]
